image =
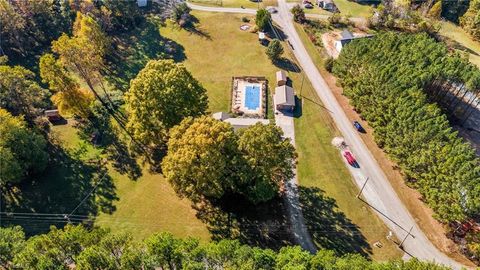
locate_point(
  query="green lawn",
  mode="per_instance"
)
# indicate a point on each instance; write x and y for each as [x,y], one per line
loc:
[462,41]
[236,3]
[320,166]
[143,206]
[222,51]
[346,7]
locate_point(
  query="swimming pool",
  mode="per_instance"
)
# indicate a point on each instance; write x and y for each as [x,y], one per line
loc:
[252,97]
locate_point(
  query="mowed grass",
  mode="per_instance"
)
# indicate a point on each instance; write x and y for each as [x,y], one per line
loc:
[346,7]
[320,165]
[463,40]
[236,3]
[223,51]
[145,205]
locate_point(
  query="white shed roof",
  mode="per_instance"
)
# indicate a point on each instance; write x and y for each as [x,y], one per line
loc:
[281,76]
[284,95]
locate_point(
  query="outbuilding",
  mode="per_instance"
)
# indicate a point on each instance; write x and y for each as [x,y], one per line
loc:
[281,78]
[284,98]
[53,115]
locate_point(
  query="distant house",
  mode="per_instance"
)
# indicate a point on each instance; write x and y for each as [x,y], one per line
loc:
[327,5]
[281,78]
[284,98]
[345,38]
[141,3]
[53,115]
[239,123]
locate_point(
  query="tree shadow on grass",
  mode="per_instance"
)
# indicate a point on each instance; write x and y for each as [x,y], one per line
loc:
[287,64]
[233,217]
[67,183]
[193,27]
[132,50]
[329,228]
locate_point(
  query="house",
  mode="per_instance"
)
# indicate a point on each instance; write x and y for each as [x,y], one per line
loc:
[326,4]
[53,115]
[239,123]
[141,3]
[281,78]
[284,98]
[345,38]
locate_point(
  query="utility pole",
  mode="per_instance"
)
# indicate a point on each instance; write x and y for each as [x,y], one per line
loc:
[405,238]
[361,190]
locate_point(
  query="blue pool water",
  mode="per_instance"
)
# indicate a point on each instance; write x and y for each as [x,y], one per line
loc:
[252,97]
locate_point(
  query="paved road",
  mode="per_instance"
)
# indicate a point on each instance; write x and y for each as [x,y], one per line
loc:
[378,192]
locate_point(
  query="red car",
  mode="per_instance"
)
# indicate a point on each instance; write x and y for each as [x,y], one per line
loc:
[349,157]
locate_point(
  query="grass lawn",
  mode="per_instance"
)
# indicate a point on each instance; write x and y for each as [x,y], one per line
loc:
[462,41]
[320,166]
[213,58]
[145,205]
[236,3]
[346,7]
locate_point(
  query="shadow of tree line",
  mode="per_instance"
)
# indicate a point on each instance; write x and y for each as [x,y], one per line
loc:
[267,224]
[68,182]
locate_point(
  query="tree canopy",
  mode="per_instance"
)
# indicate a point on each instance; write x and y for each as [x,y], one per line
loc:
[262,19]
[160,97]
[470,21]
[385,78]
[274,50]
[22,151]
[206,160]
[101,249]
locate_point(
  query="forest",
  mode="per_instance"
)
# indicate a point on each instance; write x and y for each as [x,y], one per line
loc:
[414,131]
[102,249]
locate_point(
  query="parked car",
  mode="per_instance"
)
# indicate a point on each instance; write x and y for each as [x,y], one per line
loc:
[308,5]
[349,157]
[272,10]
[358,127]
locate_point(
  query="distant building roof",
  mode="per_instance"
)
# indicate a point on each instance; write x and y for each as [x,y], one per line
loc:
[346,34]
[142,3]
[261,35]
[281,76]
[284,95]
[51,113]
[239,123]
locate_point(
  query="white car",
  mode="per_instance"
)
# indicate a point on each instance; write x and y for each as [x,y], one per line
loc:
[272,10]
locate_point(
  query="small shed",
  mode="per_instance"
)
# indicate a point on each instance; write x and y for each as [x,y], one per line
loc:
[345,37]
[53,115]
[281,78]
[261,36]
[284,98]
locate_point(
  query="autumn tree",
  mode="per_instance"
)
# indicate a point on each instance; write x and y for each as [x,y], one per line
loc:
[20,94]
[161,96]
[274,50]
[68,96]
[436,10]
[12,241]
[470,21]
[22,151]
[262,19]
[202,158]
[270,159]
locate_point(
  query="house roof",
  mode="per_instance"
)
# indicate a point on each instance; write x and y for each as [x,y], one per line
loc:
[284,95]
[51,113]
[346,34]
[221,116]
[281,76]
[238,123]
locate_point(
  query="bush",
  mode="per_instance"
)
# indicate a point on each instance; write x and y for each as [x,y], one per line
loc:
[245,19]
[298,14]
[328,64]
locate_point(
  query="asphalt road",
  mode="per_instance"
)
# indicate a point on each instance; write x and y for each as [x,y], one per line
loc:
[378,193]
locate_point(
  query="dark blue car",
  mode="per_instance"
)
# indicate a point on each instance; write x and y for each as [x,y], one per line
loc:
[358,126]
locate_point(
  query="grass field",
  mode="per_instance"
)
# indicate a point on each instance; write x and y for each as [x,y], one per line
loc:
[236,3]
[346,7]
[320,166]
[462,41]
[325,181]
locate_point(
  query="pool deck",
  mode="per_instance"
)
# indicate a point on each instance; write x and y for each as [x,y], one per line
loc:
[239,96]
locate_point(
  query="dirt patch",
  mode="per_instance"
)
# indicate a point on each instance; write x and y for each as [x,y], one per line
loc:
[411,198]
[328,40]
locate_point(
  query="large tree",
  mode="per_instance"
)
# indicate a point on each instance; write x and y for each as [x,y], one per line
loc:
[470,21]
[161,96]
[270,159]
[274,50]
[69,97]
[22,151]
[12,241]
[20,94]
[202,158]
[262,19]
